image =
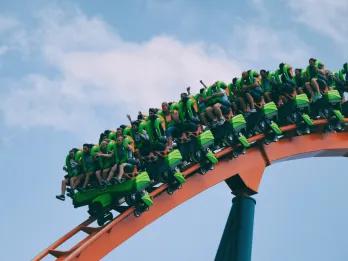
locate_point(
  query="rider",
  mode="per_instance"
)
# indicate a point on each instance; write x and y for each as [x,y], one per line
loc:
[88,161]
[122,152]
[72,167]
[341,80]
[251,89]
[266,84]
[217,98]
[166,117]
[312,73]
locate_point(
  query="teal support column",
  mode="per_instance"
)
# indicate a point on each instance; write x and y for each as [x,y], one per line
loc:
[236,241]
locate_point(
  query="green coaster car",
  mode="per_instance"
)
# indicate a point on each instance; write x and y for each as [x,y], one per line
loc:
[205,140]
[203,153]
[270,110]
[267,124]
[173,175]
[101,200]
[239,125]
[301,113]
[333,110]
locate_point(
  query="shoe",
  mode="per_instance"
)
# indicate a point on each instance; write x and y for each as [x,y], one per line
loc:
[60,197]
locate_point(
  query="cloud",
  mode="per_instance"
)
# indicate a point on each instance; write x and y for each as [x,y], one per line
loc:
[94,77]
[324,16]
[99,75]
[7,23]
[259,45]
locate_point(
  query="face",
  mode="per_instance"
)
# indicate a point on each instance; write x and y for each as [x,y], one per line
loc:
[291,71]
[85,149]
[245,75]
[297,72]
[311,62]
[119,140]
[152,114]
[164,106]
[71,153]
[119,132]
[263,73]
[104,144]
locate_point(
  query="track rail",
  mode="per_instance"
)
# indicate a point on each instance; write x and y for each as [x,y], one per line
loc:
[101,241]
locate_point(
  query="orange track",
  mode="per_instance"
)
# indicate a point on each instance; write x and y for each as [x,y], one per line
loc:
[101,241]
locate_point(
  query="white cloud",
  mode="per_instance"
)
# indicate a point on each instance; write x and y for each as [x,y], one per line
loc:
[7,23]
[324,16]
[259,45]
[99,77]
[97,70]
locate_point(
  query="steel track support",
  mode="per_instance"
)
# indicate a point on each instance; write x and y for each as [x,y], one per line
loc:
[236,241]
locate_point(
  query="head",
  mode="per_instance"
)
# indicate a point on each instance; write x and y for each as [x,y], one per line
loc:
[135,125]
[244,75]
[72,152]
[104,143]
[234,80]
[298,72]
[345,67]
[165,106]
[140,116]
[184,97]
[119,132]
[152,114]
[312,61]
[320,66]
[119,140]
[86,148]
[263,73]
[289,70]
[281,66]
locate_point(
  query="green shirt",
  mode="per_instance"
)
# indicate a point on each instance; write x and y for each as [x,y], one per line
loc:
[72,166]
[186,110]
[153,128]
[266,83]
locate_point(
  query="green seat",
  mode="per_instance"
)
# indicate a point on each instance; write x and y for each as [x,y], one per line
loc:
[238,123]
[302,101]
[333,97]
[174,158]
[206,139]
[270,110]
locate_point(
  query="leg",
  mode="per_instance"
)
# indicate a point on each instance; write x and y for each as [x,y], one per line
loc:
[268,97]
[203,118]
[99,176]
[88,176]
[217,111]
[210,114]
[315,85]
[64,183]
[250,101]
[112,172]
[121,171]
[242,104]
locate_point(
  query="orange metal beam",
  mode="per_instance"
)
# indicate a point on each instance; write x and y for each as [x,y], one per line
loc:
[100,243]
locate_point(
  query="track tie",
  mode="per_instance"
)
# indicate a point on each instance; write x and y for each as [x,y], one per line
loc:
[57,253]
[90,230]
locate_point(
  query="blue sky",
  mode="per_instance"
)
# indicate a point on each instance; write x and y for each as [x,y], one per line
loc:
[70,70]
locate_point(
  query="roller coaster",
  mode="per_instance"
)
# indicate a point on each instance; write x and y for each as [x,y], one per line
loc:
[141,200]
[235,172]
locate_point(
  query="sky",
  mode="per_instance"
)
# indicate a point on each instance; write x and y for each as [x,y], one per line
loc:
[70,69]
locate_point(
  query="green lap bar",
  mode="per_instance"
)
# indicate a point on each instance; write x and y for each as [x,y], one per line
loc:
[236,241]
